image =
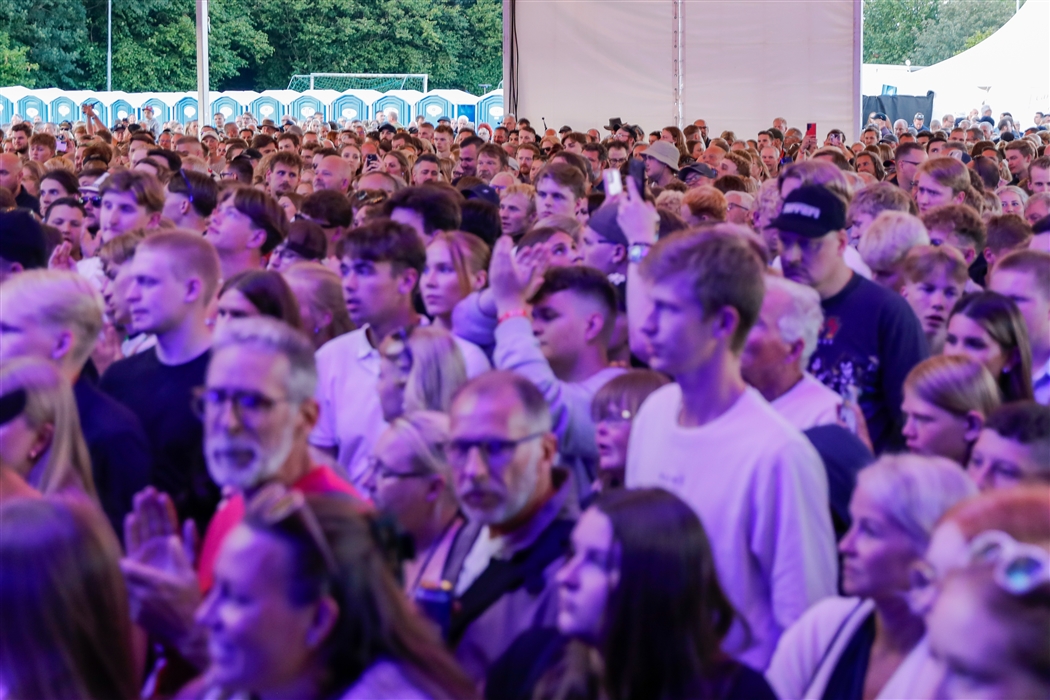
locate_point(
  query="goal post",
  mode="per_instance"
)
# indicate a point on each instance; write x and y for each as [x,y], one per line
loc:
[341,82]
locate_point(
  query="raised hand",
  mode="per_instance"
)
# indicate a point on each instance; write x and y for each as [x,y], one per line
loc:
[637,218]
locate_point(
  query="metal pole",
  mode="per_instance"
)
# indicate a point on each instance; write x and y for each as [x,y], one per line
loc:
[678,61]
[109,46]
[203,107]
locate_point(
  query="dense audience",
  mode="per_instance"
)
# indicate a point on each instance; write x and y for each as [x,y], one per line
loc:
[369,411]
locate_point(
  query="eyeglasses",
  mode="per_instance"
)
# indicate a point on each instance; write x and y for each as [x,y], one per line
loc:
[380,469]
[189,190]
[248,406]
[1019,568]
[92,199]
[274,504]
[496,452]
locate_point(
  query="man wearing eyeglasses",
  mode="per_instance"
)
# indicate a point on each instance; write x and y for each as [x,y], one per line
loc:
[520,510]
[257,409]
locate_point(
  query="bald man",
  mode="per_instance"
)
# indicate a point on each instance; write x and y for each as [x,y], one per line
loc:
[332,173]
[11,178]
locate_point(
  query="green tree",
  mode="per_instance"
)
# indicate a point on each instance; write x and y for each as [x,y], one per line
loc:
[52,32]
[891,28]
[15,68]
[959,25]
[256,44]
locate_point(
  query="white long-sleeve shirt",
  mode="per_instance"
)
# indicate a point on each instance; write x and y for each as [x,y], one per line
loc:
[761,492]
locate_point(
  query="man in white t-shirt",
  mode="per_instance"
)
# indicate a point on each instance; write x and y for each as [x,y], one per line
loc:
[779,346]
[755,481]
[380,264]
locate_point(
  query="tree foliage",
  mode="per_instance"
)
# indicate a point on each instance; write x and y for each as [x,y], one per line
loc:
[929,31]
[15,68]
[254,44]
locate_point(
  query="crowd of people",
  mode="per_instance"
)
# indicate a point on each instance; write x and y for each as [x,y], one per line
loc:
[366,411]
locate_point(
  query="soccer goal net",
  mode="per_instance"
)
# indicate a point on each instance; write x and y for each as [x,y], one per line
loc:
[359,81]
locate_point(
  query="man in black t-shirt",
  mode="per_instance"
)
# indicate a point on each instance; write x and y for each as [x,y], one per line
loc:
[173,278]
[871,338]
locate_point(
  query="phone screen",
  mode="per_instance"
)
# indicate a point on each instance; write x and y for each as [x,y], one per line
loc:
[636,169]
[811,129]
[613,182]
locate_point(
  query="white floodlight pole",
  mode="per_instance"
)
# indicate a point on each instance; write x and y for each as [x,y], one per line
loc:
[203,107]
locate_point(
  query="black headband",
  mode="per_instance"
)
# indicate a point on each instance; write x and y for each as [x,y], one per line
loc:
[11,405]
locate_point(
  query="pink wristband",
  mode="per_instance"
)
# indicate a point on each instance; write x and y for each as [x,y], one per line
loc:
[512,314]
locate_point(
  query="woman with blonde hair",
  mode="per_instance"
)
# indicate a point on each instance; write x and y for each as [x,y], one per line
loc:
[886,242]
[420,369]
[40,438]
[322,308]
[870,644]
[1012,199]
[67,630]
[946,401]
[457,264]
[410,478]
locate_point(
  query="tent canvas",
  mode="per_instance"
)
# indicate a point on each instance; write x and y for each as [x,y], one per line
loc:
[1010,70]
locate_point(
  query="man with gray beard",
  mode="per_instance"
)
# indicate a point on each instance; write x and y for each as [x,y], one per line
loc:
[257,408]
[520,510]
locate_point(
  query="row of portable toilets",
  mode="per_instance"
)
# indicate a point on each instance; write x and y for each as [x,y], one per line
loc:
[54,105]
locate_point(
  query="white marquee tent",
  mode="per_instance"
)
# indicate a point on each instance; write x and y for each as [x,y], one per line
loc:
[1010,70]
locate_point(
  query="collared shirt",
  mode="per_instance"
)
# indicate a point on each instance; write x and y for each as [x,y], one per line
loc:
[351,417]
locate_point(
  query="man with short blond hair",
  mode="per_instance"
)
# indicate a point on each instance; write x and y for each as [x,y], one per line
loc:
[172,280]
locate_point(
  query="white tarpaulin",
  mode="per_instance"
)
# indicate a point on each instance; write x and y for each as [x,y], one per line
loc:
[744,62]
[1010,70]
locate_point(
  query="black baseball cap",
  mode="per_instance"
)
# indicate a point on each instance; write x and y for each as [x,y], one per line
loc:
[387,126]
[23,239]
[811,211]
[702,169]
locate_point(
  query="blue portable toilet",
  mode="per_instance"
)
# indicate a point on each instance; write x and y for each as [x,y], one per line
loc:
[490,108]
[348,106]
[434,106]
[267,107]
[120,109]
[161,111]
[31,106]
[63,109]
[228,107]
[306,107]
[7,108]
[186,110]
[401,100]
